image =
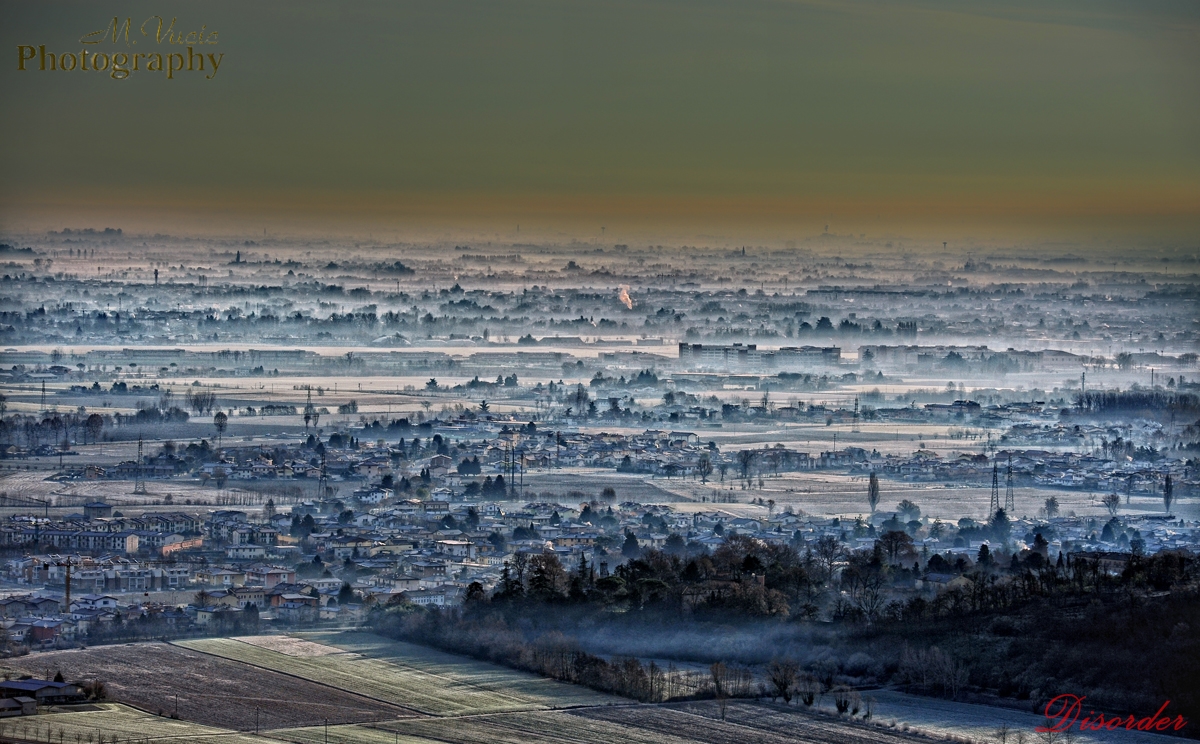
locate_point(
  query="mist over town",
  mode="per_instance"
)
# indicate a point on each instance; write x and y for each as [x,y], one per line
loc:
[802,372]
[839,472]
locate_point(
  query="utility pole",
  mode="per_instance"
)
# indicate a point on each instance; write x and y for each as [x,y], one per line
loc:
[512,470]
[68,585]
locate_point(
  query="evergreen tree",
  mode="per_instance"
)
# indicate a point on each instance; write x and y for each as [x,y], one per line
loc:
[873,492]
[630,549]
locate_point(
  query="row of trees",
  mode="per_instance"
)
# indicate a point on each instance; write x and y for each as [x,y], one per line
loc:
[556,656]
[1137,401]
[746,577]
[55,429]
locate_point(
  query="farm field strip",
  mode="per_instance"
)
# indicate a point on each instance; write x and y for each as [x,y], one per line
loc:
[122,721]
[797,724]
[539,727]
[708,728]
[636,724]
[289,645]
[349,734]
[211,690]
[408,686]
[464,670]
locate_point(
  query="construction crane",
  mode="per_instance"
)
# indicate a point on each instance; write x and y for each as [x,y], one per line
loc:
[27,502]
[68,564]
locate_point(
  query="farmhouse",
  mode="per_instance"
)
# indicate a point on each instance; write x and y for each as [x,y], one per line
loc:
[43,691]
[18,706]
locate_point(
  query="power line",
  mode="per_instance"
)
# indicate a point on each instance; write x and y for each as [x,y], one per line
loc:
[139,483]
[995,505]
[1009,500]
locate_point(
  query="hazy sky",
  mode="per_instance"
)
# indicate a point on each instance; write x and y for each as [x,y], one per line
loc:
[1075,118]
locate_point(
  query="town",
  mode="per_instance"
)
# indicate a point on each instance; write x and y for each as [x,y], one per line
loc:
[409,518]
[535,372]
[631,456]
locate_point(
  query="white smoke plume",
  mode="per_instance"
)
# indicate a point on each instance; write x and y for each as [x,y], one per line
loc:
[623,296]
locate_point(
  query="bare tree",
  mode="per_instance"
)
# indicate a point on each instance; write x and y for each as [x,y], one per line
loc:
[828,551]
[867,590]
[782,675]
[719,674]
[873,492]
[1112,502]
[1168,493]
[842,698]
[201,401]
[746,459]
[894,544]
[808,688]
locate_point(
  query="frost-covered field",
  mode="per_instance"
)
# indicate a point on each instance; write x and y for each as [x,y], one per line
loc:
[422,679]
[113,722]
[454,671]
[288,645]
[982,722]
[698,723]
[166,679]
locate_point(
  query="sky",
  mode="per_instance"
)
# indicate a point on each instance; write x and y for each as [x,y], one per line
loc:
[1064,119]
